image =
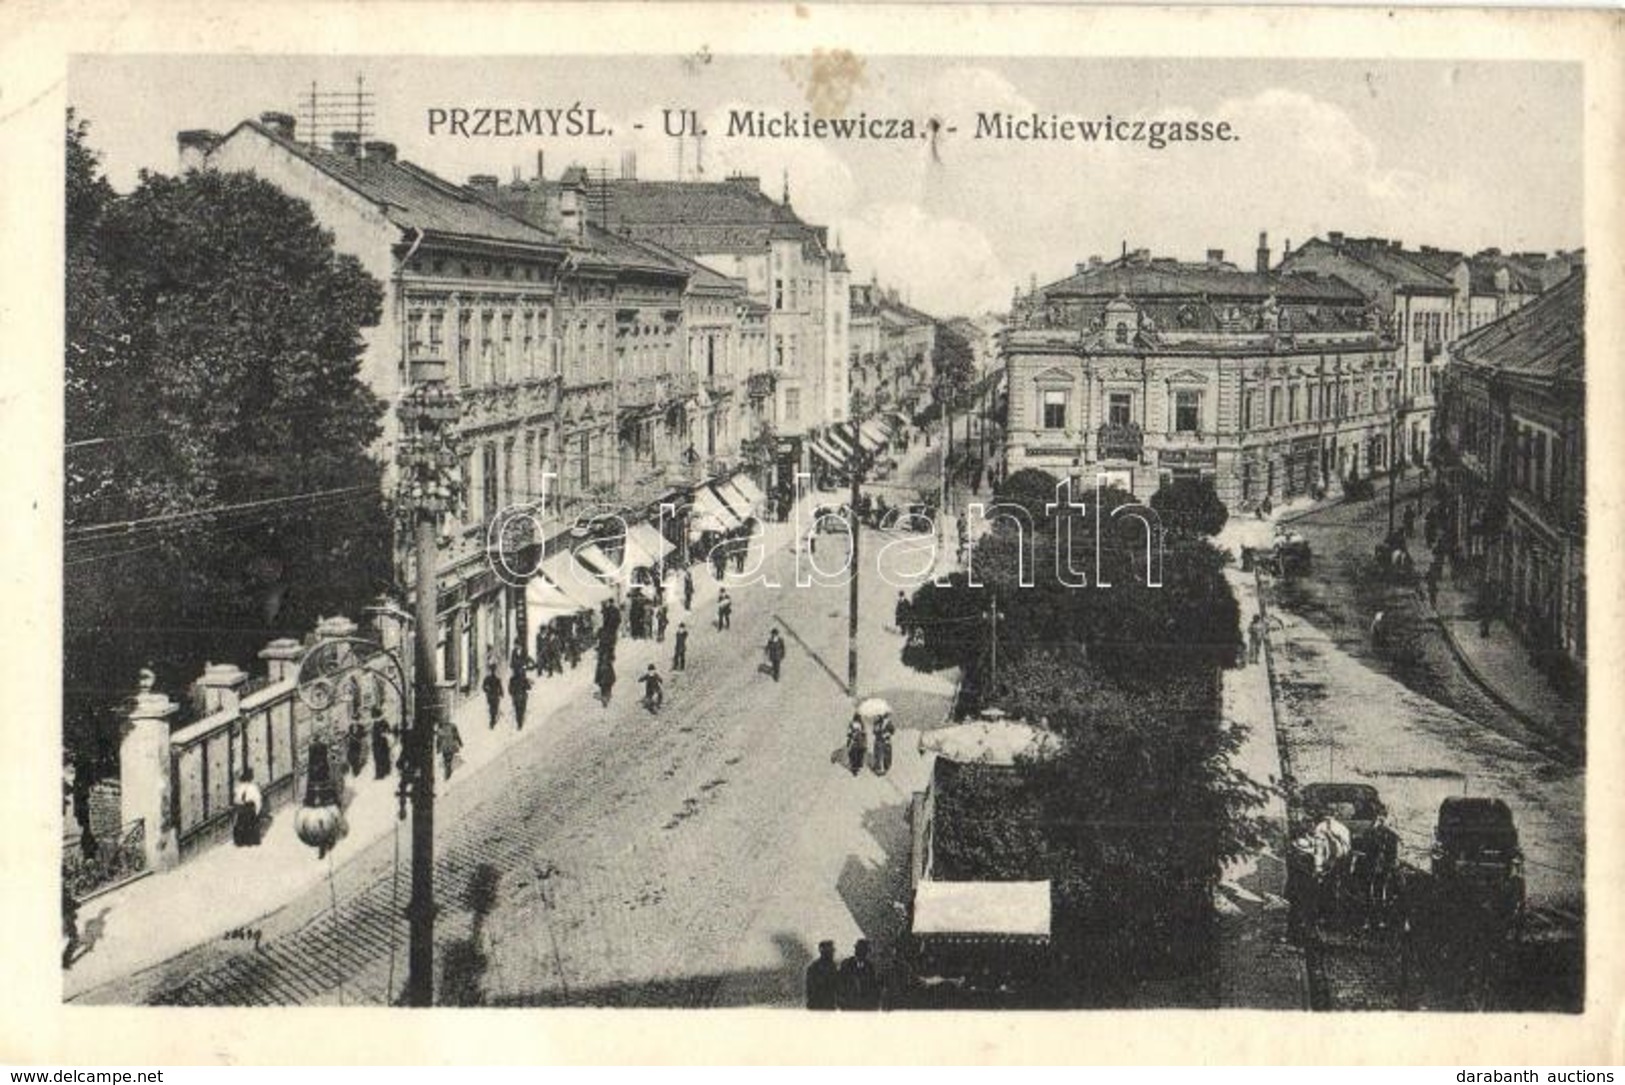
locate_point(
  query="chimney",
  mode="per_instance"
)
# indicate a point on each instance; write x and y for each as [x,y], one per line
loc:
[629,165]
[347,143]
[1095,261]
[1263,253]
[483,182]
[746,180]
[572,216]
[194,145]
[379,150]
[1215,256]
[280,124]
[1336,238]
[541,162]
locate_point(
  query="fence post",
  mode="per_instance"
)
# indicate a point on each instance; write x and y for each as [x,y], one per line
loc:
[282,658]
[222,685]
[144,776]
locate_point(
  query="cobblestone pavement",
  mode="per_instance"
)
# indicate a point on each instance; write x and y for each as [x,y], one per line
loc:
[1417,729]
[694,857]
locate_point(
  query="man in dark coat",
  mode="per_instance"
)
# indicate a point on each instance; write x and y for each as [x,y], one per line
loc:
[662,620]
[380,744]
[725,610]
[775,653]
[900,613]
[493,692]
[688,589]
[860,979]
[679,648]
[519,693]
[823,981]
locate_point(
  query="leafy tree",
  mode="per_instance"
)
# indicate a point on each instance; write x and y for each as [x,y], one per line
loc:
[953,362]
[213,405]
[1190,506]
[1029,488]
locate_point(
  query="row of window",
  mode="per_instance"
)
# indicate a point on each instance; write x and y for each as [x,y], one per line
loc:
[1299,404]
[1120,410]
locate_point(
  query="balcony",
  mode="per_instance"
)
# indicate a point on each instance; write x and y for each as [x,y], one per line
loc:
[1124,442]
[644,393]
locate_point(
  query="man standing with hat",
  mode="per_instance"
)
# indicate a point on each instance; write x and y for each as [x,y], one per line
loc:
[823,981]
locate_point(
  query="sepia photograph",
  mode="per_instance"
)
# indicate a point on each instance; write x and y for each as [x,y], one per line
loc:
[824,530]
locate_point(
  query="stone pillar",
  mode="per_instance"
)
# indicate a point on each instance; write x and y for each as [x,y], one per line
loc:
[222,687]
[282,658]
[393,628]
[144,776]
[336,626]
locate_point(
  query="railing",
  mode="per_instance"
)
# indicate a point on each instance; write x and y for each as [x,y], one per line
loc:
[1119,442]
[114,862]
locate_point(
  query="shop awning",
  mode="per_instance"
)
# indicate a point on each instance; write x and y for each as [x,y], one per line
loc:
[711,512]
[830,454]
[572,578]
[544,601]
[606,566]
[873,434]
[740,501]
[840,440]
[982,909]
[745,485]
[647,539]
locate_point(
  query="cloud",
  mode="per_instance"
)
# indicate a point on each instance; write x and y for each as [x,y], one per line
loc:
[947,266]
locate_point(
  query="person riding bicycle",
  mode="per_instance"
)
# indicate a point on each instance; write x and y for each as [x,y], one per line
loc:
[654,688]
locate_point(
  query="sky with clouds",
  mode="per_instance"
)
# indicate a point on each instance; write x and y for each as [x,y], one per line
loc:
[1457,155]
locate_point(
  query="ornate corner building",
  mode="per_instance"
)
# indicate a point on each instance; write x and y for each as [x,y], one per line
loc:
[1142,370]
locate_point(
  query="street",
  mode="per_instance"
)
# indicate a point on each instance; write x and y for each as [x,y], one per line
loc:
[611,857]
[1415,725]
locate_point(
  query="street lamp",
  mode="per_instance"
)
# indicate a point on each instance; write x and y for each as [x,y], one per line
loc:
[428,487]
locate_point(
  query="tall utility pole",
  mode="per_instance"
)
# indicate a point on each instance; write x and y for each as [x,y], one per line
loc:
[427,464]
[852,584]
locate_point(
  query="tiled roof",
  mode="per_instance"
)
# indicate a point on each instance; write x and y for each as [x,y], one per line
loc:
[1170,278]
[1438,261]
[1544,339]
[1398,266]
[1522,278]
[704,216]
[412,197]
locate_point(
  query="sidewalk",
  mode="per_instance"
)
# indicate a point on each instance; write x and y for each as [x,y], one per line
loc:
[1258,967]
[227,888]
[1500,662]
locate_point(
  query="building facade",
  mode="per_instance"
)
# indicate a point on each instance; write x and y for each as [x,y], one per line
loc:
[1142,370]
[890,350]
[1512,417]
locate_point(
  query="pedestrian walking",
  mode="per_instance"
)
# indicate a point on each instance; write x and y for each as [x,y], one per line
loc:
[355,746]
[725,610]
[688,589]
[775,653]
[662,619]
[519,694]
[450,742]
[739,556]
[247,802]
[679,648]
[1255,638]
[718,557]
[654,688]
[380,744]
[637,615]
[604,677]
[860,979]
[70,934]
[493,692]
[823,979]
[901,613]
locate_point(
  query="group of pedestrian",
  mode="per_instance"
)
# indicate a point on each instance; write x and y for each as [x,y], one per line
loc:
[852,984]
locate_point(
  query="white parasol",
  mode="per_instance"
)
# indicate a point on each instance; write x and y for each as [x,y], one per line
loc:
[872,709]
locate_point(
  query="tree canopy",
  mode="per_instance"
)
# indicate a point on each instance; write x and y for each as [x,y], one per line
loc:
[219,487]
[1190,506]
[1120,655]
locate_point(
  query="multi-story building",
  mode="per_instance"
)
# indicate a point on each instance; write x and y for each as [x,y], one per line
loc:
[1431,296]
[1512,417]
[1142,370]
[732,227]
[464,284]
[890,350]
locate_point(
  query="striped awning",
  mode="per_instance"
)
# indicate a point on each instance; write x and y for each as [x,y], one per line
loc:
[711,512]
[606,566]
[873,434]
[567,574]
[544,601]
[842,441]
[746,486]
[650,541]
[830,453]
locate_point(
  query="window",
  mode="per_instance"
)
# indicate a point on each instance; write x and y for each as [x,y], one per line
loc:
[778,294]
[1249,409]
[1292,403]
[778,352]
[465,356]
[1055,410]
[1120,408]
[414,335]
[1187,412]
[507,472]
[437,334]
[1120,333]
[1275,407]
[487,348]
[505,359]
[488,481]
[792,404]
